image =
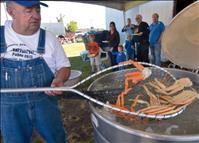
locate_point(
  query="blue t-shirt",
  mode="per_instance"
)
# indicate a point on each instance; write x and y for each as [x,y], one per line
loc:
[155,31]
[128,47]
[120,57]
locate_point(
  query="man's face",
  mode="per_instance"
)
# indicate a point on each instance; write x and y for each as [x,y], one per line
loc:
[27,17]
[155,18]
[138,19]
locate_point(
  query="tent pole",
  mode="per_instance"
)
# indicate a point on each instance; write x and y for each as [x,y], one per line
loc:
[124,17]
[5,11]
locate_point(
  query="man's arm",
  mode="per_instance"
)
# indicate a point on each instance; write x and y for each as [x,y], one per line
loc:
[61,77]
[63,74]
[124,29]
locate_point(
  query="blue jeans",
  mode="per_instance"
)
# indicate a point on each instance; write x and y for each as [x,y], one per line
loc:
[156,53]
[19,119]
[21,112]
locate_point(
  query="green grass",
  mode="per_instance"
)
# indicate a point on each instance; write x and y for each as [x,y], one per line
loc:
[73,52]
[78,64]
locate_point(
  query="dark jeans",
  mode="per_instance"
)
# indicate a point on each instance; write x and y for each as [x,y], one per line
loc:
[143,51]
[113,58]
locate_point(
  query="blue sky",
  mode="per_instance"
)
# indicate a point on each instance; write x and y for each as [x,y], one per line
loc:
[86,15]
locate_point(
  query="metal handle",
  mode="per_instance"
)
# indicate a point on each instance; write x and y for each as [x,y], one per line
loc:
[43,89]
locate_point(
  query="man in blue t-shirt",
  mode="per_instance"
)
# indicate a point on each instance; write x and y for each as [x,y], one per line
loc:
[156,30]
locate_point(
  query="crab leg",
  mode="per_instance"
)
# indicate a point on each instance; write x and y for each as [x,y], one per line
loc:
[167,98]
[161,85]
[118,103]
[163,110]
[141,102]
[135,103]
[136,64]
[148,108]
[163,101]
[172,111]
[153,99]
[154,86]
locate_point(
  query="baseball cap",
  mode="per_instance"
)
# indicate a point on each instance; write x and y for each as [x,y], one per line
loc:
[30,3]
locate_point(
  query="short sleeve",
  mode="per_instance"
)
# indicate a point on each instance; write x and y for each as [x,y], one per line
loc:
[61,59]
[162,27]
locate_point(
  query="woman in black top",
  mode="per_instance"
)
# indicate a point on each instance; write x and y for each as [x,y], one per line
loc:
[114,40]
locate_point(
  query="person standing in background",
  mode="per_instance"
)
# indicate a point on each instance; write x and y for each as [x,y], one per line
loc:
[142,38]
[113,42]
[129,28]
[156,30]
[94,53]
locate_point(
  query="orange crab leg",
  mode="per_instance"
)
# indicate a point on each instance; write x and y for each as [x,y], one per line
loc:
[122,108]
[118,103]
[136,64]
[134,77]
[120,100]
[135,103]
[126,85]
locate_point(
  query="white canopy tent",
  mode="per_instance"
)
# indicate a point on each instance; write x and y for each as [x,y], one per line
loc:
[122,5]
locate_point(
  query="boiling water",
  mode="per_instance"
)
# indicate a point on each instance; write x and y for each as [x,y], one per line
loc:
[187,123]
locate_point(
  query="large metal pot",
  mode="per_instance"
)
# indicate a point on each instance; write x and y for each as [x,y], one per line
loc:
[182,129]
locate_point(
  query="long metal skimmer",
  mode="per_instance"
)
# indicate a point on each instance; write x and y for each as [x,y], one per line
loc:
[100,100]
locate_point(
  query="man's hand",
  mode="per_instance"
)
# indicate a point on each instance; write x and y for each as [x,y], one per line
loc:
[61,76]
[55,83]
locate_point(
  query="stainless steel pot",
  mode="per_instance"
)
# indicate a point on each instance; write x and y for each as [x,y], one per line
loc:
[182,129]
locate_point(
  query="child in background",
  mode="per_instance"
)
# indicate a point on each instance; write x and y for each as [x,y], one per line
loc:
[120,56]
[94,53]
[61,39]
[129,48]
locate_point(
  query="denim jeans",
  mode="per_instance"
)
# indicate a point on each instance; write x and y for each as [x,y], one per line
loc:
[21,112]
[156,53]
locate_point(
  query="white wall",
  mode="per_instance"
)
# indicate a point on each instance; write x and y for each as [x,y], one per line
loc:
[163,8]
[132,14]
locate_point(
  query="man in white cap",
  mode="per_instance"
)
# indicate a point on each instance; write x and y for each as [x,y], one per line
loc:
[30,57]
